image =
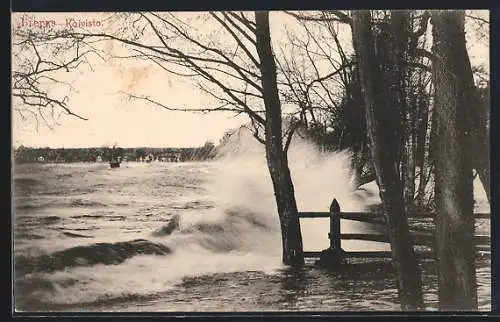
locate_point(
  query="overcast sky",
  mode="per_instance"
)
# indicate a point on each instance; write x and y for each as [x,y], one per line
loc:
[113,119]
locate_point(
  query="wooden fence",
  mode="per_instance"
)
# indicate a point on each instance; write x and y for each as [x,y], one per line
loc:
[336,237]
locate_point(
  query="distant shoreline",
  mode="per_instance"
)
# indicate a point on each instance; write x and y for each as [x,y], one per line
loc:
[105,154]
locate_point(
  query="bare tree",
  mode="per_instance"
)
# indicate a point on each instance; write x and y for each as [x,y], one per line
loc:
[328,84]
[233,64]
[276,156]
[40,59]
[453,170]
[382,88]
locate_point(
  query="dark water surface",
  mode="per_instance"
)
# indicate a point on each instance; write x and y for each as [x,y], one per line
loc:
[94,239]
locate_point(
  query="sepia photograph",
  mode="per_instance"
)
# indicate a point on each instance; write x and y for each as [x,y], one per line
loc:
[251,161]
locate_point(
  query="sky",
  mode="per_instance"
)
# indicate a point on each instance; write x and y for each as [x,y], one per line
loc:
[113,119]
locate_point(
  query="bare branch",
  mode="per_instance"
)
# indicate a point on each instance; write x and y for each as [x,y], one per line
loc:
[336,16]
[291,130]
[478,19]
[177,109]
[245,23]
[240,43]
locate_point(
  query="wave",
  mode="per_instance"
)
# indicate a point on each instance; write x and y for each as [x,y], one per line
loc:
[24,185]
[233,231]
[108,217]
[65,175]
[228,224]
[49,220]
[87,203]
[173,225]
[22,181]
[88,228]
[192,204]
[99,253]
[28,236]
[73,235]
[29,206]
[236,231]
[232,218]
[87,216]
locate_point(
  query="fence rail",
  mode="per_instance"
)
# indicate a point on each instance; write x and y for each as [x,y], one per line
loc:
[360,216]
[419,236]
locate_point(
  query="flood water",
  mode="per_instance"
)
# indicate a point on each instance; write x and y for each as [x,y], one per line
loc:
[91,238]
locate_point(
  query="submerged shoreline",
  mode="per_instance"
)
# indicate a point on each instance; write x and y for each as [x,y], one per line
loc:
[225,255]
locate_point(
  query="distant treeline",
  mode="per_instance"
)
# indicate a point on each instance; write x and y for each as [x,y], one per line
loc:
[29,155]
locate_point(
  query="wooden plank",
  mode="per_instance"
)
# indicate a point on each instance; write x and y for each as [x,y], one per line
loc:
[371,219]
[482,215]
[483,248]
[364,216]
[355,215]
[384,254]
[312,254]
[428,230]
[309,214]
[482,240]
[369,254]
[367,237]
[363,254]
[418,238]
[478,215]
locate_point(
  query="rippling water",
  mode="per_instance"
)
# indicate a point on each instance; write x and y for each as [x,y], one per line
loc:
[87,237]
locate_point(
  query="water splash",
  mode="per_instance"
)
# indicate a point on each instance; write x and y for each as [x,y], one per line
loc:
[238,230]
[243,182]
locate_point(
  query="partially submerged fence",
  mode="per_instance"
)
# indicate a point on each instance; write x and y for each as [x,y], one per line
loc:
[336,236]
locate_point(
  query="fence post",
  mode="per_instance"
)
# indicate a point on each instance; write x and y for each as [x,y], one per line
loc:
[333,256]
[334,235]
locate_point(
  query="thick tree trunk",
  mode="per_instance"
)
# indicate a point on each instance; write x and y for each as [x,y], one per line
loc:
[453,172]
[478,112]
[382,98]
[276,158]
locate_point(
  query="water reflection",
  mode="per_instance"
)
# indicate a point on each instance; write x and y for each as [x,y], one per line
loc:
[360,286]
[355,287]
[293,286]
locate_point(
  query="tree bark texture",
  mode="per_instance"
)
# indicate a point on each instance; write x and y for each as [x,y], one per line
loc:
[421,141]
[277,158]
[453,164]
[380,81]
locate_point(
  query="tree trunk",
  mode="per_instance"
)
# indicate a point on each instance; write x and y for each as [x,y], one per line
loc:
[478,112]
[453,171]
[479,115]
[382,98]
[481,153]
[277,161]
[407,171]
[482,141]
[409,161]
[421,142]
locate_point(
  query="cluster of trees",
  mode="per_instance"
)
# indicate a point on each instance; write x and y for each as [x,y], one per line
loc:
[30,155]
[362,80]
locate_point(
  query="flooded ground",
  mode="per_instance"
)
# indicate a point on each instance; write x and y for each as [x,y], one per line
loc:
[94,239]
